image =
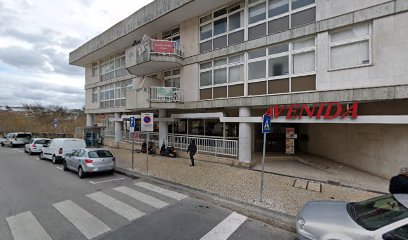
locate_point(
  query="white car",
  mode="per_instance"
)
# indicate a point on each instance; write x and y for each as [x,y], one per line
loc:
[59,148]
[36,145]
[16,139]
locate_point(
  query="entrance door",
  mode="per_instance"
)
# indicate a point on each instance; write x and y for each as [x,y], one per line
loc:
[276,140]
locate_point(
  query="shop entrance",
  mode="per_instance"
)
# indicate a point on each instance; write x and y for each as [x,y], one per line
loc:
[276,140]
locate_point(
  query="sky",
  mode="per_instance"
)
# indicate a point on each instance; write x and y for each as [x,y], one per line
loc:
[36,37]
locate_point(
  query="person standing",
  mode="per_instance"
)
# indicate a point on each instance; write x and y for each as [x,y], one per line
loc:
[192,149]
[399,183]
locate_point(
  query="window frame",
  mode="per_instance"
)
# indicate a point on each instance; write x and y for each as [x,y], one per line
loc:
[172,77]
[350,41]
[109,68]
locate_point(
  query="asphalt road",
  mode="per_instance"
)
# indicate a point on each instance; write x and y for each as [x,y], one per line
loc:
[40,201]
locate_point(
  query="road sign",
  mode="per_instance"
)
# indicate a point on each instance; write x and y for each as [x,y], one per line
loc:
[132,124]
[55,122]
[146,123]
[266,123]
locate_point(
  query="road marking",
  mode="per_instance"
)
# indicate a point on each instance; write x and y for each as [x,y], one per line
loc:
[88,224]
[163,191]
[18,150]
[142,197]
[25,226]
[225,228]
[110,180]
[60,168]
[117,206]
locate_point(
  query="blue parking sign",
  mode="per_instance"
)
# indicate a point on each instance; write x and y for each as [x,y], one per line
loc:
[132,124]
[266,124]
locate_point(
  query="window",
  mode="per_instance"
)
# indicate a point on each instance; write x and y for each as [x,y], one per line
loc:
[222,27]
[113,66]
[350,47]
[273,16]
[216,75]
[114,95]
[172,78]
[400,233]
[287,67]
[94,95]
[172,34]
[94,69]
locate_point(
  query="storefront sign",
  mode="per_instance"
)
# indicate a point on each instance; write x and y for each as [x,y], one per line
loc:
[163,46]
[329,110]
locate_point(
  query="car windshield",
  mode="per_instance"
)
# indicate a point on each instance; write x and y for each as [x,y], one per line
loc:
[41,141]
[100,154]
[23,135]
[375,213]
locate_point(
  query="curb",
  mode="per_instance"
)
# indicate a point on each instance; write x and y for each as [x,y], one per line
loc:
[274,218]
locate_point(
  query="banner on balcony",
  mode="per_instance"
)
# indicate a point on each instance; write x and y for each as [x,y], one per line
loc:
[164,92]
[163,46]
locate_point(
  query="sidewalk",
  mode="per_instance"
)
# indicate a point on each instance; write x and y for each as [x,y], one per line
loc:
[281,194]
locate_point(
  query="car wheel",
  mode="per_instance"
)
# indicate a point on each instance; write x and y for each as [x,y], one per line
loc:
[64,166]
[12,145]
[29,152]
[112,171]
[2,144]
[81,173]
[54,160]
[41,156]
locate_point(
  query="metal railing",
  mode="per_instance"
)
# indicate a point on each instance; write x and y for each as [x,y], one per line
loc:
[217,146]
[166,94]
[140,137]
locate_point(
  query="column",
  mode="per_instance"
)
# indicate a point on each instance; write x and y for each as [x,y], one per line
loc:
[89,119]
[245,137]
[118,127]
[163,127]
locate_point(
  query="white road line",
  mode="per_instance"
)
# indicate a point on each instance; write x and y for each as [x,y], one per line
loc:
[115,205]
[225,228]
[142,197]
[110,180]
[25,226]
[163,191]
[60,168]
[88,224]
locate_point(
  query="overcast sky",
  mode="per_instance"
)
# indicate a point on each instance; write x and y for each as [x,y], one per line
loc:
[36,37]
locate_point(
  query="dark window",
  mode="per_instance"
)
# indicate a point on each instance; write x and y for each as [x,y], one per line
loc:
[236,37]
[278,25]
[304,17]
[100,154]
[220,42]
[220,26]
[23,135]
[400,233]
[301,3]
[220,12]
[257,31]
[206,46]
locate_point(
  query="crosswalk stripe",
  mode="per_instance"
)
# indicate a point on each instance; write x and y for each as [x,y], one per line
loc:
[25,226]
[163,191]
[88,224]
[142,197]
[225,228]
[117,206]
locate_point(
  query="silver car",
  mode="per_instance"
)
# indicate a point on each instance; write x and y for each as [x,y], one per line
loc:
[384,217]
[89,160]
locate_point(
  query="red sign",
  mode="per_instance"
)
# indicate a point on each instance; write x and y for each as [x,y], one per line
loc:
[329,110]
[163,46]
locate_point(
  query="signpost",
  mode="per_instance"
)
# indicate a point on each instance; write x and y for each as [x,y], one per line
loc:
[55,126]
[146,125]
[131,132]
[266,128]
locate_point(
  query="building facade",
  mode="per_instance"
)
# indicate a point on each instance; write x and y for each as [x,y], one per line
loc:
[209,70]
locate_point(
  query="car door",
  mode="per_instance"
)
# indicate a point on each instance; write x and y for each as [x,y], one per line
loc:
[400,233]
[71,160]
[47,151]
[78,161]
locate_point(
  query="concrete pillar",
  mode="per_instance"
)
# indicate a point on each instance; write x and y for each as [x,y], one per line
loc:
[245,137]
[89,119]
[118,128]
[163,127]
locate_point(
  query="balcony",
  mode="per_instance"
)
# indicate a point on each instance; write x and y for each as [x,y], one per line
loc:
[151,56]
[154,97]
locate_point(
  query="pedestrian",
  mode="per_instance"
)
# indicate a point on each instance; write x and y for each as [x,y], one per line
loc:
[192,149]
[399,183]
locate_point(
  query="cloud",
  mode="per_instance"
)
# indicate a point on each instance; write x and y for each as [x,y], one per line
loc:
[20,57]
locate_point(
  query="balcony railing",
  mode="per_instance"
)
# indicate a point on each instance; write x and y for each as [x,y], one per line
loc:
[166,94]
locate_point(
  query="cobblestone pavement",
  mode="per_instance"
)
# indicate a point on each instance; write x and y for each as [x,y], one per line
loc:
[281,193]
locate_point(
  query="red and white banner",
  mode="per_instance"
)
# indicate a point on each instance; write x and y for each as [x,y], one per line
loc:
[163,46]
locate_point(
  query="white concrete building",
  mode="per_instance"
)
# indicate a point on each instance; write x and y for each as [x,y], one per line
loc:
[210,69]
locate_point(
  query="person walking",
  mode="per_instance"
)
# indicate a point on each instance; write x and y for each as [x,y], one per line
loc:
[399,183]
[192,149]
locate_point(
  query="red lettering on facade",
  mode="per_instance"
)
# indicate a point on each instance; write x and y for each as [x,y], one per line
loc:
[352,110]
[309,112]
[292,110]
[329,108]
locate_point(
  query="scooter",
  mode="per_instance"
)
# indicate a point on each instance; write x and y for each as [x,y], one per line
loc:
[151,149]
[168,151]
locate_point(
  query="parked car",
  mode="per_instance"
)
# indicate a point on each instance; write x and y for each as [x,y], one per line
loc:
[35,145]
[89,160]
[59,148]
[384,217]
[16,139]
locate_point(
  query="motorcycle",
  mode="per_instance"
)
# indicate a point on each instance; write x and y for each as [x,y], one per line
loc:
[151,149]
[168,151]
